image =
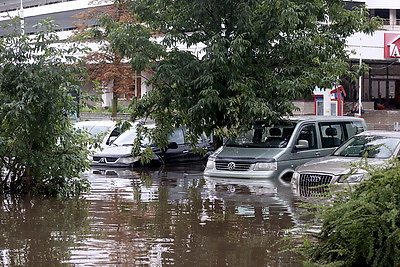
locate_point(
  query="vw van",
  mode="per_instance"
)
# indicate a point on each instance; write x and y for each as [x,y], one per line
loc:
[274,151]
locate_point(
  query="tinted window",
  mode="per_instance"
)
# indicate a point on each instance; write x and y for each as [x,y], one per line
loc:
[353,128]
[332,134]
[308,133]
[177,137]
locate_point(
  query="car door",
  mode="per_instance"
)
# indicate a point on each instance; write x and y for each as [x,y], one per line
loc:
[181,152]
[300,155]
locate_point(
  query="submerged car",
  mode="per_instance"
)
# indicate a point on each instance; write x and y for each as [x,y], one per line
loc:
[105,130]
[119,154]
[275,150]
[316,177]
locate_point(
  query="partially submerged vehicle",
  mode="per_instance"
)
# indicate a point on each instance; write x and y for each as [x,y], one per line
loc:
[106,131]
[274,151]
[375,148]
[119,154]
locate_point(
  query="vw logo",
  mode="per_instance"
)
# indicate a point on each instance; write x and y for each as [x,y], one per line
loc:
[231,166]
[314,178]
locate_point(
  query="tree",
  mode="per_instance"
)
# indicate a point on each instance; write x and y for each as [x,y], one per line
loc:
[219,65]
[40,153]
[105,66]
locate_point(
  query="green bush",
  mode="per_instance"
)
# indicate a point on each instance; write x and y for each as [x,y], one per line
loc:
[360,228]
[40,153]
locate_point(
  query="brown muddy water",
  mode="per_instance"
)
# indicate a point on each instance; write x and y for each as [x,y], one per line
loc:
[153,217]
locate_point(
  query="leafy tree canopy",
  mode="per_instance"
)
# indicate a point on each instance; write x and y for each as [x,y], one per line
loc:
[40,153]
[104,64]
[218,65]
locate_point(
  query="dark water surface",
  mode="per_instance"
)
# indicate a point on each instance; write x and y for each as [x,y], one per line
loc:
[152,217]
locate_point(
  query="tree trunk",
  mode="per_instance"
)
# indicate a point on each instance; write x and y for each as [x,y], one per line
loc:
[114,105]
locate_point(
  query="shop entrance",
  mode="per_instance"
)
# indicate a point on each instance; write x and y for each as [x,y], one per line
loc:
[397,91]
[385,93]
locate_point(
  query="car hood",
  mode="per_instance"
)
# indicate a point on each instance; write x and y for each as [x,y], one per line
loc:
[333,164]
[245,152]
[115,151]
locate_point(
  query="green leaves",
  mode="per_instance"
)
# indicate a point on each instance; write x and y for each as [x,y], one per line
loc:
[40,152]
[224,63]
[362,226]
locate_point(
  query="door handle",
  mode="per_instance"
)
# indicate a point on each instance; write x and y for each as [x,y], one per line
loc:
[317,154]
[185,151]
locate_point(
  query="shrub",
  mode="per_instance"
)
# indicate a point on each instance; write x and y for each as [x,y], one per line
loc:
[360,228]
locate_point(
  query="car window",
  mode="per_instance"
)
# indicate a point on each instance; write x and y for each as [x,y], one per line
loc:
[332,134]
[308,133]
[353,128]
[177,136]
[264,136]
[369,146]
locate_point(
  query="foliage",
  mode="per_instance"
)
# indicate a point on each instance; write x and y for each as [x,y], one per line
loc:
[360,227]
[105,66]
[218,65]
[40,153]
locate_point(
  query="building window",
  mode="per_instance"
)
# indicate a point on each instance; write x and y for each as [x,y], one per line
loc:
[397,16]
[383,14]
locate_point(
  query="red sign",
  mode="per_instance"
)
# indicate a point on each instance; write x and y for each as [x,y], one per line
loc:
[392,45]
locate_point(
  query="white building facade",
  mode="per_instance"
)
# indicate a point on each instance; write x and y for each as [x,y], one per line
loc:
[380,87]
[64,14]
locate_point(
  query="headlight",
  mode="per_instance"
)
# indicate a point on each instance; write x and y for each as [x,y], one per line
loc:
[266,166]
[352,178]
[128,160]
[210,163]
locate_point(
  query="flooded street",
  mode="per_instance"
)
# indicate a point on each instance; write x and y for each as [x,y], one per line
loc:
[153,217]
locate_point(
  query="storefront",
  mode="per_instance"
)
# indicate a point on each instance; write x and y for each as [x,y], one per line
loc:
[381,84]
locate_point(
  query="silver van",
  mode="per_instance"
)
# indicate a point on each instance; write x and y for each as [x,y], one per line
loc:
[274,151]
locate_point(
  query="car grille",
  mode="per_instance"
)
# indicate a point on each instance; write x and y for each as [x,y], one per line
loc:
[105,160]
[110,159]
[314,185]
[232,166]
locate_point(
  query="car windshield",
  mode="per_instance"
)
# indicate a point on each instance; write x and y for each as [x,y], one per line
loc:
[264,136]
[95,129]
[379,147]
[127,138]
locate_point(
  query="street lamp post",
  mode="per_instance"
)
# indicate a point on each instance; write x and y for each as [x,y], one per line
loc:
[21,15]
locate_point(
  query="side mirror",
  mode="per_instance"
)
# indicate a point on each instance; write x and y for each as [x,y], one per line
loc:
[302,144]
[172,145]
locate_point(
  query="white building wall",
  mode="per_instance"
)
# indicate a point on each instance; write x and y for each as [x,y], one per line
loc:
[383,4]
[54,8]
[366,46]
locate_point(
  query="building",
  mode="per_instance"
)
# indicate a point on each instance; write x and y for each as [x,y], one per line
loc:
[64,14]
[380,87]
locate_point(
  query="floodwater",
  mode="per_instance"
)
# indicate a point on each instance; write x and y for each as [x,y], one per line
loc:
[153,217]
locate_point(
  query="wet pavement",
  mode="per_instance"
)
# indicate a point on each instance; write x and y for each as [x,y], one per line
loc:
[153,217]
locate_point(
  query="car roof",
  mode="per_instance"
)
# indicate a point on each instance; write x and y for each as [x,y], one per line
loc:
[324,118]
[395,134]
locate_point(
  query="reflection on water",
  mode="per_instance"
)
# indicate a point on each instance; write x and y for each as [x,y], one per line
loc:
[153,217]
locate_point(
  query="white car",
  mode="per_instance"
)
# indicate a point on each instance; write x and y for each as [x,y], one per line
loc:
[106,130]
[314,178]
[119,154]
